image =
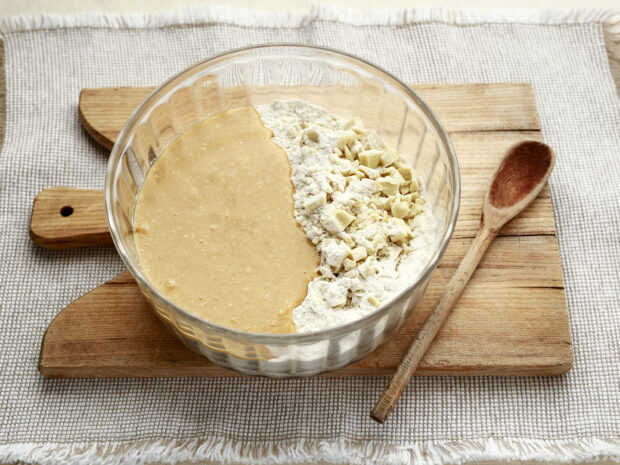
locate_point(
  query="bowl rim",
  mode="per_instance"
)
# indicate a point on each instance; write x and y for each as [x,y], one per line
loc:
[306,337]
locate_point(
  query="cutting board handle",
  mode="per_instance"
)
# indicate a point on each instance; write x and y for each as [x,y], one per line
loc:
[64,217]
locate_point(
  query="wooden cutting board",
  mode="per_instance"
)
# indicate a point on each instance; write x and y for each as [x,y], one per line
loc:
[511,320]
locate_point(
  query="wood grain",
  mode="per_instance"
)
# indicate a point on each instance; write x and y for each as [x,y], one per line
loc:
[104,111]
[510,320]
[64,217]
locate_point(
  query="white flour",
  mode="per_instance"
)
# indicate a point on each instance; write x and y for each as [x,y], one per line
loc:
[350,212]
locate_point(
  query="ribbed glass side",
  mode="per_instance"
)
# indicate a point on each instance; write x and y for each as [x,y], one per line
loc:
[343,85]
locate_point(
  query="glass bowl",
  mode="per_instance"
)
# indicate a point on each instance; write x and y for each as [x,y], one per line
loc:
[343,84]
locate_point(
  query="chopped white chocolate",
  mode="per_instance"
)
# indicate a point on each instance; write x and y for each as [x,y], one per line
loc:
[347,153]
[378,242]
[407,198]
[348,264]
[352,179]
[356,124]
[348,239]
[316,201]
[373,300]
[389,156]
[336,253]
[394,174]
[348,170]
[406,172]
[398,229]
[368,268]
[370,158]
[368,172]
[359,253]
[338,221]
[416,208]
[356,148]
[346,138]
[400,209]
[388,186]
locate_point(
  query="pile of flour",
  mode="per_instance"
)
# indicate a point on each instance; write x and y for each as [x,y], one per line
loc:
[348,202]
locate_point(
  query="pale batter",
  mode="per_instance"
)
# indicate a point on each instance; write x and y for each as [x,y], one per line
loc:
[215,231]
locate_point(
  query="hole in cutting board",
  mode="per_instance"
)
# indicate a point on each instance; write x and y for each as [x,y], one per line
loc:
[66,210]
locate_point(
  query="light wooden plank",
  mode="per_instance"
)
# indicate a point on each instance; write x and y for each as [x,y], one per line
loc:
[490,107]
[510,320]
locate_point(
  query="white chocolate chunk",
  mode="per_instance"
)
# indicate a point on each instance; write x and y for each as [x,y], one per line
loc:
[336,253]
[364,271]
[407,198]
[369,172]
[352,179]
[416,208]
[406,172]
[348,264]
[338,221]
[400,209]
[359,253]
[389,156]
[373,300]
[388,186]
[356,148]
[370,248]
[356,124]
[348,239]
[413,212]
[370,158]
[395,174]
[398,229]
[346,138]
[316,201]
[368,268]
[378,242]
[344,218]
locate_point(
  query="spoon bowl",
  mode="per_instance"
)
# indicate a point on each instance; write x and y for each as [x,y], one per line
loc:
[517,181]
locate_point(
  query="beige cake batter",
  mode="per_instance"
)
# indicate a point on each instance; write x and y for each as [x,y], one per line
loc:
[215,230]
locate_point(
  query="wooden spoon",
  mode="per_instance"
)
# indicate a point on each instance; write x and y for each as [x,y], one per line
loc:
[517,180]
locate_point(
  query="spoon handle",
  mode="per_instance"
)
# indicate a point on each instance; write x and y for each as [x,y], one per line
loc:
[433,323]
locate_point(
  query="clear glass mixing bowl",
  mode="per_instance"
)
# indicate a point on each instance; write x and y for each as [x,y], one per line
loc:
[345,85]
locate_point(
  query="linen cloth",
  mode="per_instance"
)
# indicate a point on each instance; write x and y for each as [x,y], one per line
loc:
[438,420]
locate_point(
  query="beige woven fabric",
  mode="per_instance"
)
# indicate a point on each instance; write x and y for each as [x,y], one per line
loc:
[260,420]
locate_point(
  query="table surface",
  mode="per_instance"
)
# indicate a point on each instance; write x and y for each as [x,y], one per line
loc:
[33,7]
